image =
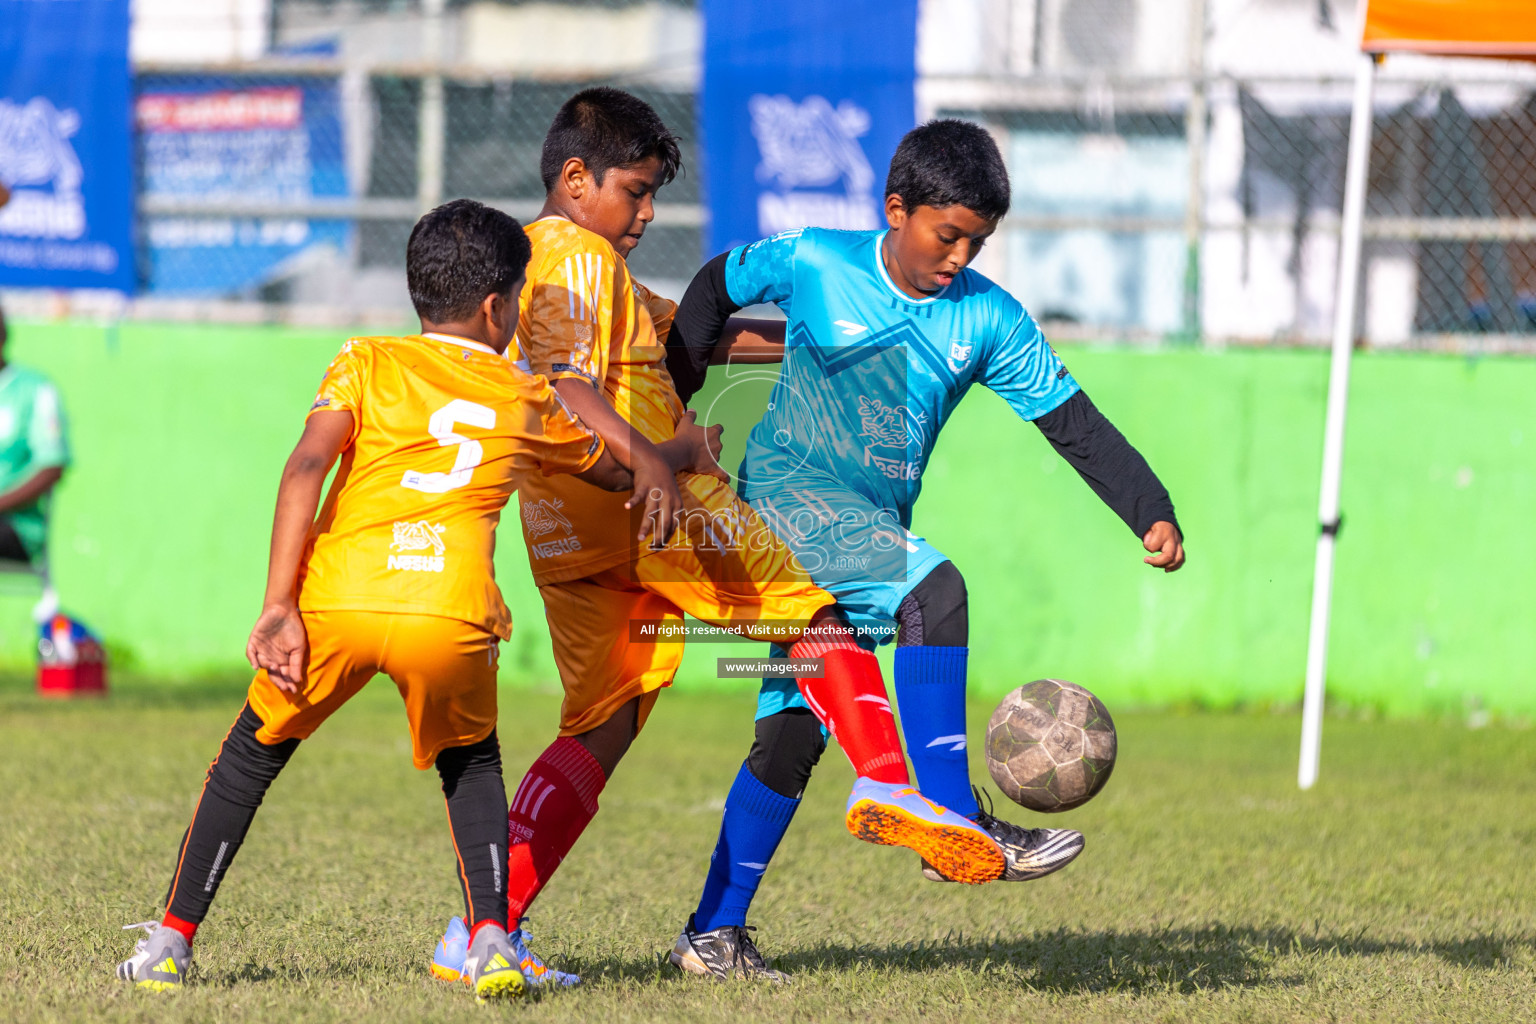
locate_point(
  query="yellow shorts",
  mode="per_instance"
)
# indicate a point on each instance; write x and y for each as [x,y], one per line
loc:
[603,666]
[445,669]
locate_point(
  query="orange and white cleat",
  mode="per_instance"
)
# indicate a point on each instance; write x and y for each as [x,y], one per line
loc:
[896,814]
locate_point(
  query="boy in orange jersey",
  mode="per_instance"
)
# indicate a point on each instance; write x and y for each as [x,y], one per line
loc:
[592,329]
[434,433]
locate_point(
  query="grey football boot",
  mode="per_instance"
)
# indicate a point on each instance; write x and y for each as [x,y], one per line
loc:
[160,961]
[726,952]
[491,966]
[1030,852]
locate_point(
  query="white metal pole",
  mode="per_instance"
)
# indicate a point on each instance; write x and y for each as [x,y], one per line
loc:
[1195,116]
[431,121]
[1338,406]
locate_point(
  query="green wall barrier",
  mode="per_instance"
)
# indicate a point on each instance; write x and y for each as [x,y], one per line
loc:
[179,432]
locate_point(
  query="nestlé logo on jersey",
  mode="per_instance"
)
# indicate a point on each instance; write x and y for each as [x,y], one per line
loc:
[418,536]
[544,516]
[891,428]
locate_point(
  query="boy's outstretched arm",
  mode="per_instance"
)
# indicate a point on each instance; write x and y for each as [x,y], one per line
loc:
[654,478]
[761,272]
[696,329]
[749,340]
[695,449]
[278,643]
[1118,474]
[608,473]
[692,448]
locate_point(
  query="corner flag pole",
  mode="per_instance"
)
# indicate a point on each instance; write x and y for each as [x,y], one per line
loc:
[1338,406]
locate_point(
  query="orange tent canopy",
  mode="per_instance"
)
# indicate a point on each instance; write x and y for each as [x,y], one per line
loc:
[1453,28]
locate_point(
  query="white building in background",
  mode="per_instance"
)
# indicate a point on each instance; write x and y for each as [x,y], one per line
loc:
[1108,70]
[199,31]
[1090,99]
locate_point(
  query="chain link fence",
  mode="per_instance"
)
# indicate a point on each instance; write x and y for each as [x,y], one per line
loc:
[1155,207]
[1110,236]
[301,188]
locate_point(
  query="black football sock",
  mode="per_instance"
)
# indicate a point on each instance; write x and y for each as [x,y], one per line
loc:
[477,814]
[237,781]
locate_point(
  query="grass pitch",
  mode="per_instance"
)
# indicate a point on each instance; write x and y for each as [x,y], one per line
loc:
[1210,889]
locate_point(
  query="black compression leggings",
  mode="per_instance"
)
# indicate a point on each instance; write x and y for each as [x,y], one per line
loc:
[245,767]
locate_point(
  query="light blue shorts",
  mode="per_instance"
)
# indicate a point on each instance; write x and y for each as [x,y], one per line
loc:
[859,553]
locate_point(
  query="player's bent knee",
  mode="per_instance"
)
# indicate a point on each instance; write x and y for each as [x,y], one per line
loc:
[472,759]
[785,749]
[610,741]
[258,759]
[937,612]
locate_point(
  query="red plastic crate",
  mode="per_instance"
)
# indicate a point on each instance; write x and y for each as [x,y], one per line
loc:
[87,678]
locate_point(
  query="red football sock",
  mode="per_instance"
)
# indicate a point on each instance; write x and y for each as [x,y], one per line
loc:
[851,701]
[187,928]
[550,810]
[481,924]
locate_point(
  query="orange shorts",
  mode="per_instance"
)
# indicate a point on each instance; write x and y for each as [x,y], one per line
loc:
[701,573]
[445,669]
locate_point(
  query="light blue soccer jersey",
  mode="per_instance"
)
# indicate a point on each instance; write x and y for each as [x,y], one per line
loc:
[871,374]
[870,377]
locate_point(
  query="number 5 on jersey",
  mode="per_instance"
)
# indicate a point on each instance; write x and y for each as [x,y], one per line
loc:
[469,455]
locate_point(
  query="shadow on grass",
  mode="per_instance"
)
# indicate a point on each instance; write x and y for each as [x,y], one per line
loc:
[1172,960]
[19,693]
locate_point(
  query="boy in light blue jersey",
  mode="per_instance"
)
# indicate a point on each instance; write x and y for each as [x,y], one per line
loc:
[887,332]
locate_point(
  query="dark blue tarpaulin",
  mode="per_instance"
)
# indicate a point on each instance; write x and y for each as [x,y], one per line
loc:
[803,104]
[64,144]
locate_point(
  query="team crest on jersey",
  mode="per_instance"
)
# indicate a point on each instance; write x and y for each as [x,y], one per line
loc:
[959,354]
[417,536]
[891,428]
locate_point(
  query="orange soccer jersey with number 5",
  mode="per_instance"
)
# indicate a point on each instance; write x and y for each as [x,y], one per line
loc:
[444,430]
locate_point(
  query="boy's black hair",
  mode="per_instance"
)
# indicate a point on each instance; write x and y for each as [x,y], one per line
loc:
[607,128]
[950,163]
[460,253]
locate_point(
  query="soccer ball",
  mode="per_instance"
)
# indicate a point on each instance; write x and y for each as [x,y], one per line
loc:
[1050,745]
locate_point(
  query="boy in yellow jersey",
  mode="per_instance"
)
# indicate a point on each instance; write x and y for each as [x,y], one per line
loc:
[592,329]
[434,433]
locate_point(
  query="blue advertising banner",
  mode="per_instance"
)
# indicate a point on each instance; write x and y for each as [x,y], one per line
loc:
[249,140]
[64,144]
[803,104]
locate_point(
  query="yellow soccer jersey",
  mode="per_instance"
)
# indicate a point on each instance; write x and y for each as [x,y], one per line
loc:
[583,316]
[444,430]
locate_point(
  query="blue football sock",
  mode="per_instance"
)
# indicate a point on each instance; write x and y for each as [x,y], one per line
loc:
[930,692]
[755,819]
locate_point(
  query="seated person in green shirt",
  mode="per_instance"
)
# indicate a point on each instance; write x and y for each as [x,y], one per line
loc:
[33,455]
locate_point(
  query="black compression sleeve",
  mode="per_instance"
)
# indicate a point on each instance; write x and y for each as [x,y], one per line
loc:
[696,328]
[236,783]
[477,816]
[1106,461]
